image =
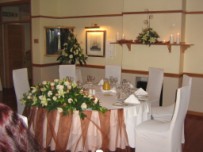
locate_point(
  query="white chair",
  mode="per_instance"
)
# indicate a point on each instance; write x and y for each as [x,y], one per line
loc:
[154,85]
[165,113]
[157,136]
[67,71]
[21,86]
[79,75]
[113,71]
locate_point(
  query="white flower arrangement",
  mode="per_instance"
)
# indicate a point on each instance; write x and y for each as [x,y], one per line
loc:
[63,95]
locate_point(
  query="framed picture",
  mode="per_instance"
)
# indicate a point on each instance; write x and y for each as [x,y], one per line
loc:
[95,43]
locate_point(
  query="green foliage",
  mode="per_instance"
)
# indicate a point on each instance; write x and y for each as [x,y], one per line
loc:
[148,36]
[63,95]
[71,53]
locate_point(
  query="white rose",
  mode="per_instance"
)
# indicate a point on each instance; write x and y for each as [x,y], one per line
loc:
[70,100]
[49,93]
[84,106]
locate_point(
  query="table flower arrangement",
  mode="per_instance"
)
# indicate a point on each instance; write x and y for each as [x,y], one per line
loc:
[148,36]
[71,53]
[62,95]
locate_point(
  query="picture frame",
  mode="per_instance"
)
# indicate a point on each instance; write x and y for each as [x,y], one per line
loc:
[95,43]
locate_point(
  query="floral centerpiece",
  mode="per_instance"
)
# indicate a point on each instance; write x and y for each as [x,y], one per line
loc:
[148,36]
[71,53]
[62,95]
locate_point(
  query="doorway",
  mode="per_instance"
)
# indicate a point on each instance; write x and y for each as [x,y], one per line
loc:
[15,48]
[16,55]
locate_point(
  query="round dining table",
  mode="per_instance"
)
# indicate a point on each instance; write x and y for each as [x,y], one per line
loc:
[109,131]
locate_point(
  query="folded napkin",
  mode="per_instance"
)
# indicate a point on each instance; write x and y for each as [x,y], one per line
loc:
[140,92]
[132,99]
[101,82]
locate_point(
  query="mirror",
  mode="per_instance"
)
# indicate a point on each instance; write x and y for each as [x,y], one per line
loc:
[55,38]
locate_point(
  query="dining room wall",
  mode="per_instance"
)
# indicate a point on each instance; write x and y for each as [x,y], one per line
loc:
[127,17]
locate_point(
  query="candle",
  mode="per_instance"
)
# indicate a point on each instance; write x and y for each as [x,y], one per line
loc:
[178,38]
[123,36]
[59,40]
[171,38]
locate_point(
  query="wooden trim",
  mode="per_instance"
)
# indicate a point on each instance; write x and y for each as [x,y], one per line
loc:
[109,15]
[93,66]
[194,12]
[154,12]
[134,71]
[14,3]
[45,65]
[172,75]
[193,113]
[194,75]
[85,16]
[120,14]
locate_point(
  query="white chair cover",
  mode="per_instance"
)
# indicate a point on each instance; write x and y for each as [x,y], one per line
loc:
[165,113]
[21,86]
[154,85]
[79,75]
[114,71]
[0,85]
[157,136]
[67,71]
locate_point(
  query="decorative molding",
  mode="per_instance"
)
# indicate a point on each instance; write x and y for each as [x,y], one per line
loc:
[196,114]
[194,12]
[172,75]
[120,14]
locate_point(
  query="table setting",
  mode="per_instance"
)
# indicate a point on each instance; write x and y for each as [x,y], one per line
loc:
[92,115]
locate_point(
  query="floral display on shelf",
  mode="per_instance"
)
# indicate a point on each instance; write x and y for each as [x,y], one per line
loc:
[71,53]
[63,95]
[148,36]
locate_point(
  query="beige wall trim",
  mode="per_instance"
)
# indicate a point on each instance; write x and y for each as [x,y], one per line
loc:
[193,113]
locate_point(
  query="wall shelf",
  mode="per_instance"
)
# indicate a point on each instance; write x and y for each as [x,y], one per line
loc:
[128,43]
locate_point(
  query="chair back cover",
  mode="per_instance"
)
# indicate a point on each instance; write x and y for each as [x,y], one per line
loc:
[67,71]
[177,122]
[154,84]
[114,71]
[159,136]
[79,75]
[21,86]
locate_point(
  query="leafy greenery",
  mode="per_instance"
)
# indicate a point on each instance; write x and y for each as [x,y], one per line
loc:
[148,36]
[71,53]
[62,95]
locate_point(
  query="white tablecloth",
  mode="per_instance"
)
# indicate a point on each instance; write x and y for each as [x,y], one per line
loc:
[114,129]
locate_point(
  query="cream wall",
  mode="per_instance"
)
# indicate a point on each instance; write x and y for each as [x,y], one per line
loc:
[140,57]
